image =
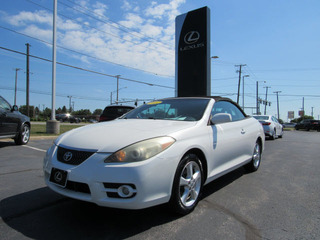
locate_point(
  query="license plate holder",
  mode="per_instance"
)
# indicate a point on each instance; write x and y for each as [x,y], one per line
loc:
[59,177]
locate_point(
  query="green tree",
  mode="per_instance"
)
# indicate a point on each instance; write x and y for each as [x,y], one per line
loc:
[97,112]
[64,109]
[46,113]
[82,112]
[297,120]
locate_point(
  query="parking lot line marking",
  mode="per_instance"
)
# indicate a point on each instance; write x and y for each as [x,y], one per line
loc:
[38,149]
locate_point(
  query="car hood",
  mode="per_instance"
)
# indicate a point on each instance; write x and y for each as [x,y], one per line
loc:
[114,135]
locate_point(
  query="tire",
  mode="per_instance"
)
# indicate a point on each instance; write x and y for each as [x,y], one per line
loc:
[187,185]
[23,136]
[280,136]
[254,164]
[274,134]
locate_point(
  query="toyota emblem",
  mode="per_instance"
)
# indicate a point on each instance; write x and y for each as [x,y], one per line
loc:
[67,156]
[191,37]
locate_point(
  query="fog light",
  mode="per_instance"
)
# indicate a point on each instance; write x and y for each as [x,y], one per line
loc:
[125,191]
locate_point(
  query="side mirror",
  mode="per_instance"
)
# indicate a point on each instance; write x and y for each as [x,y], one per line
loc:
[14,108]
[221,118]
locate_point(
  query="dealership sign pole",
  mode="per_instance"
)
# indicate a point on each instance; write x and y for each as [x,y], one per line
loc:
[193,53]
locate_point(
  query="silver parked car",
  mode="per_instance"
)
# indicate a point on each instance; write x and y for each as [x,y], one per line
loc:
[271,126]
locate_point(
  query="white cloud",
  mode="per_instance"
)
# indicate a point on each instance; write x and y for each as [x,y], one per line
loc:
[100,9]
[130,6]
[67,25]
[169,10]
[35,31]
[141,48]
[151,30]
[24,18]
[132,21]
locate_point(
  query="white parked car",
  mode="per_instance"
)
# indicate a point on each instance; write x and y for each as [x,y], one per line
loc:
[162,152]
[272,127]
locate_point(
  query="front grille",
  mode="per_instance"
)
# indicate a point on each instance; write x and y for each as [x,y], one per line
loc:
[72,157]
[78,187]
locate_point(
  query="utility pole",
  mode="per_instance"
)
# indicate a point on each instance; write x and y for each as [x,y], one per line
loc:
[70,110]
[277,92]
[312,111]
[117,76]
[239,71]
[303,108]
[257,110]
[27,77]
[266,101]
[15,86]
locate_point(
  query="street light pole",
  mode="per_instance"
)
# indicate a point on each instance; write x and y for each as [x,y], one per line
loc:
[277,92]
[243,90]
[266,101]
[54,58]
[53,126]
[15,86]
[258,104]
[240,66]
[69,103]
[117,76]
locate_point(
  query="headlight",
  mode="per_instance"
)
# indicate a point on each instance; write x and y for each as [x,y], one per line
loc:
[48,155]
[141,151]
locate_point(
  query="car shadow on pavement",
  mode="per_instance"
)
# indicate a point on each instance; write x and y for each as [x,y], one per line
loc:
[222,182]
[8,143]
[44,214]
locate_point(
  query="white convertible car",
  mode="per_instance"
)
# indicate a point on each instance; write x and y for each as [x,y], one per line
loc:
[162,152]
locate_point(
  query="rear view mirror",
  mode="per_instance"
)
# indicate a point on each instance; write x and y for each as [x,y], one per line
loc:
[221,118]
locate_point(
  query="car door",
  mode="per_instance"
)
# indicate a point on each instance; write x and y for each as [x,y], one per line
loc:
[232,141]
[8,122]
[278,126]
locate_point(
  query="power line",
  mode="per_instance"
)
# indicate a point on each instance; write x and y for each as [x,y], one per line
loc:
[103,60]
[122,27]
[88,26]
[87,70]
[59,95]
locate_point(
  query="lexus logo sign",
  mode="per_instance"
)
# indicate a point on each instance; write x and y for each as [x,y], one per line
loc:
[191,37]
[58,176]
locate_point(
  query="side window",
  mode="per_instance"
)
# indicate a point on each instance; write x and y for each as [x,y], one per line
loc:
[227,107]
[4,104]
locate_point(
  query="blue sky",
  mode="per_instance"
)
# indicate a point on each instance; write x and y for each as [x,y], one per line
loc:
[279,41]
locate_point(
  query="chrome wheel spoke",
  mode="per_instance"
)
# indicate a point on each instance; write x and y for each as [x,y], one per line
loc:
[256,155]
[190,184]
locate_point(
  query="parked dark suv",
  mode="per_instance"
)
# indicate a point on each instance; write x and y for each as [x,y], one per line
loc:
[13,124]
[113,112]
[308,125]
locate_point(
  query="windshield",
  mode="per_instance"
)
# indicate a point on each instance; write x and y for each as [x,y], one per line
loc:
[116,110]
[261,117]
[171,109]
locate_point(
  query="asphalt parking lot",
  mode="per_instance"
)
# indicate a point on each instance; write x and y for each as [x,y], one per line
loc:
[279,201]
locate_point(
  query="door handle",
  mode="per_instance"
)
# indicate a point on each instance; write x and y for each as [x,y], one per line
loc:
[243,131]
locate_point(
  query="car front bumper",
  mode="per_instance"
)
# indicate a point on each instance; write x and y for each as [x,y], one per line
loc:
[149,182]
